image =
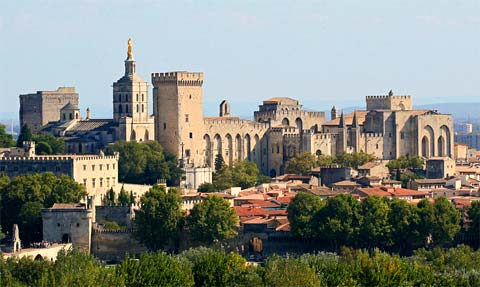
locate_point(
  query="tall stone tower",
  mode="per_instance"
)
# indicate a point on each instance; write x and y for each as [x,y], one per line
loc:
[177,107]
[130,103]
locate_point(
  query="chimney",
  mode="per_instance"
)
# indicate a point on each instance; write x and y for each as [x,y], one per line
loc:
[88,114]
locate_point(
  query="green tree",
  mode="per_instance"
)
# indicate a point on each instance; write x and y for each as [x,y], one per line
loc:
[219,162]
[155,269]
[339,221]
[354,160]
[43,148]
[206,187]
[441,220]
[404,219]
[48,144]
[24,196]
[404,162]
[124,198]
[302,164]
[375,230]
[326,160]
[25,135]
[145,163]
[109,198]
[159,218]
[212,220]
[6,140]
[245,174]
[301,212]
[473,215]
[217,268]
[285,272]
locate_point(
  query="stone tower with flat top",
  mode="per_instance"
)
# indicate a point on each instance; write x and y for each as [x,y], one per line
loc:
[177,106]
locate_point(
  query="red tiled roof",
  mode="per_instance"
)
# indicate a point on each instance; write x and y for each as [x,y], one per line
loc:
[371,191]
[252,211]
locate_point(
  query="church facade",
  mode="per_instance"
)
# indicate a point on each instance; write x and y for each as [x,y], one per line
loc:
[131,119]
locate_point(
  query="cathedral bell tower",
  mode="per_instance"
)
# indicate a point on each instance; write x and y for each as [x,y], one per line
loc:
[130,103]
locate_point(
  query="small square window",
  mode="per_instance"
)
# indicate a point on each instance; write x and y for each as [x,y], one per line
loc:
[186,118]
[190,135]
[93,167]
[187,152]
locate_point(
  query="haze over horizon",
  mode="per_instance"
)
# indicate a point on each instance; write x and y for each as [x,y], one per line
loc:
[322,53]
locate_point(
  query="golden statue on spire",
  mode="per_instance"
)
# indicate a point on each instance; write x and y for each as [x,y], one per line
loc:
[130,49]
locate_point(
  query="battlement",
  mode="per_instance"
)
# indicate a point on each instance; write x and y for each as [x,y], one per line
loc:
[371,135]
[280,113]
[235,121]
[59,158]
[389,102]
[384,97]
[181,78]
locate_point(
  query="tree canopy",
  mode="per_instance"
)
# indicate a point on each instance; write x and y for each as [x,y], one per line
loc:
[25,135]
[244,174]
[48,144]
[6,140]
[375,222]
[303,163]
[145,163]
[23,198]
[160,217]
[212,220]
[404,162]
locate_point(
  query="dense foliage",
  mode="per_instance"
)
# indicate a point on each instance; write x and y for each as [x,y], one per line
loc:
[145,163]
[212,220]
[6,140]
[393,225]
[244,174]
[303,163]
[459,266]
[160,218]
[404,162]
[45,144]
[23,198]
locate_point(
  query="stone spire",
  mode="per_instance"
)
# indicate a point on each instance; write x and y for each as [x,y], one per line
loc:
[390,93]
[355,120]
[341,124]
[130,64]
[17,246]
[333,113]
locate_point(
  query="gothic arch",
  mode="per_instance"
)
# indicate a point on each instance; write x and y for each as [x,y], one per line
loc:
[133,136]
[208,150]
[248,149]
[238,146]
[299,124]
[445,132]
[425,147]
[229,151]
[218,145]
[431,139]
[147,136]
[441,146]
[285,122]
[256,148]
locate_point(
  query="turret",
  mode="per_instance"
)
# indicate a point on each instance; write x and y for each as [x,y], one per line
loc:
[341,124]
[355,120]
[333,113]
[224,109]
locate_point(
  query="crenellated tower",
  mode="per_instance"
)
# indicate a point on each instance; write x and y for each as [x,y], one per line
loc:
[177,107]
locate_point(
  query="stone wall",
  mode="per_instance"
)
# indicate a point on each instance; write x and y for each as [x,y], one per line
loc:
[119,214]
[114,245]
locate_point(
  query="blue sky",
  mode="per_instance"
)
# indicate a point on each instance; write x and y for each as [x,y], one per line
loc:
[320,52]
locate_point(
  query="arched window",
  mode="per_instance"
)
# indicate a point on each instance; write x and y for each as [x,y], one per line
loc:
[120,97]
[126,108]
[142,98]
[126,98]
[120,108]
[137,97]
[142,108]
[71,116]
[137,108]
